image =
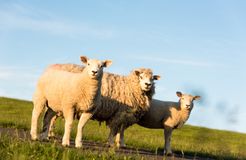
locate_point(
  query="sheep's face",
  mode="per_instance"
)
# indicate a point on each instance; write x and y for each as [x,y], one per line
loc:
[186,100]
[146,78]
[93,67]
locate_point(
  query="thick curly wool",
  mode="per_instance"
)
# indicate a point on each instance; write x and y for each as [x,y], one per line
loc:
[123,101]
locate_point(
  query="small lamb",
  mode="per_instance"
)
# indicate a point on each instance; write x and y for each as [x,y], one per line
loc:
[66,93]
[169,116]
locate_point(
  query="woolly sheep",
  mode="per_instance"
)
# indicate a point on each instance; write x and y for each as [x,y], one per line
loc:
[67,92]
[125,99]
[168,116]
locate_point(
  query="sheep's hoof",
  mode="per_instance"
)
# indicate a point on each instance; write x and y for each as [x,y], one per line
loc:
[34,137]
[78,145]
[65,144]
[51,135]
[110,144]
[52,138]
[167,153]
[122,146]
[118,146]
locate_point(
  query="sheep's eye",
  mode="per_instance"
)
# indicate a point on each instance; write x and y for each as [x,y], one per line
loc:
[141,77]
[88,64]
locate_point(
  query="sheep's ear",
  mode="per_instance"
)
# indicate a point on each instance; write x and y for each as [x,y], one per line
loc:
[84,59]
[156,77]
[196,97]
[179,94]
[137,72]
[107,63]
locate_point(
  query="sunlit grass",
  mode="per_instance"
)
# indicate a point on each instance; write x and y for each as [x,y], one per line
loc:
[189,140]
[15,149]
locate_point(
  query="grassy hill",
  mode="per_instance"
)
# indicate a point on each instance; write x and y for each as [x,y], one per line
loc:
[189,140]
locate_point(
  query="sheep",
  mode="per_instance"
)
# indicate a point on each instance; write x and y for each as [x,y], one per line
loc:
[125,99]
[67,92]
[168,116]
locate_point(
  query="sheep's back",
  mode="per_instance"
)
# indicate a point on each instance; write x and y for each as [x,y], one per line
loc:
[159,114]
[71,89]
[119,95]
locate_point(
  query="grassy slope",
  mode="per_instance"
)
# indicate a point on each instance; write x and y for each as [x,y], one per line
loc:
[188,140]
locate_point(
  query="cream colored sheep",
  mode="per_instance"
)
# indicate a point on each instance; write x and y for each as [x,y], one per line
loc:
[68,92]
[169,116]
[125,99]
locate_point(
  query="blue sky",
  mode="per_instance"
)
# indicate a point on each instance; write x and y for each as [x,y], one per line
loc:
[196,46]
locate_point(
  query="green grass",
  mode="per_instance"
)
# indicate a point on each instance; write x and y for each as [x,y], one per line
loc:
[15,113]
[12,148]
[190,140]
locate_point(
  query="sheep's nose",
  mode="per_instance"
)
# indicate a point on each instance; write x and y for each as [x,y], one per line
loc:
[94,72]
[187,105]
[148,84]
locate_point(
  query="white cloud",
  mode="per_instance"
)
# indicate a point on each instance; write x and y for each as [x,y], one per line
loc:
[17,17]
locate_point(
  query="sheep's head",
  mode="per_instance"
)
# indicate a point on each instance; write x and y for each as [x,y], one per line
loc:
[186,100]
[94,67]
[146,78]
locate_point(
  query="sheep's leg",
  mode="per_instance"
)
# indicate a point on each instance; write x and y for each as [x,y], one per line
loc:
[39,105]
[68,115]
[167,136]
[52,126]
[111,139]
[112,134]
[122,142]
[48,123]
[82,121]
[119,140]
